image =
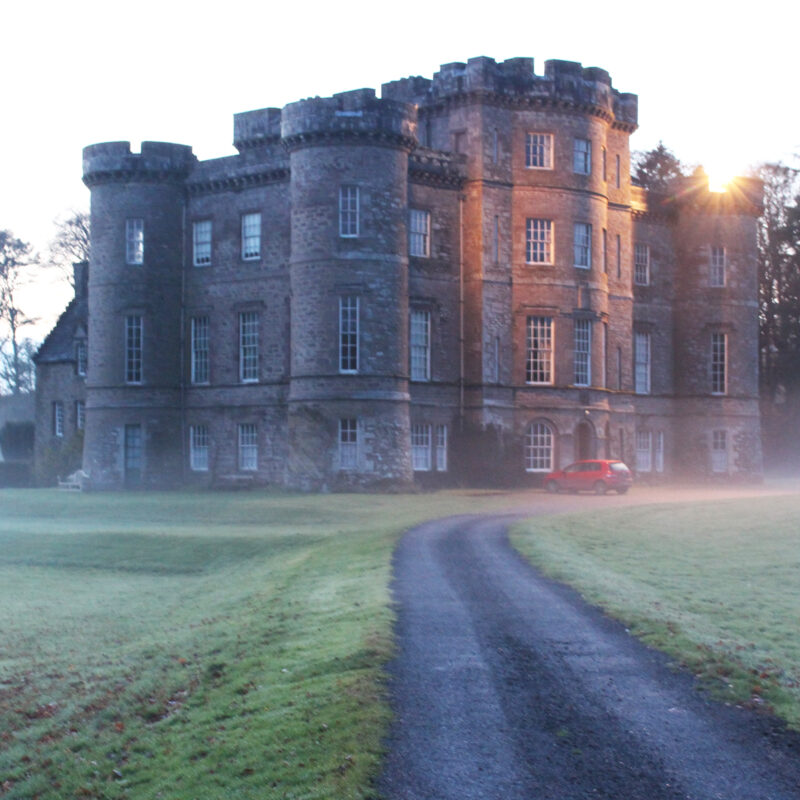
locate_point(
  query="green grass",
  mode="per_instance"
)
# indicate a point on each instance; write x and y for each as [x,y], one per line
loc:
[714,584]
[197,645]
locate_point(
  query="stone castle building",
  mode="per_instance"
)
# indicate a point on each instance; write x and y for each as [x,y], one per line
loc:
[455,282]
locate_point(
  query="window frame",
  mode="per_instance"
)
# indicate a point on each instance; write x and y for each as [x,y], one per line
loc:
[581,156]
[81,358]
[251,254]
[719,463]
[58,419]
[202,242]
[539,447]
[539,154]
[582,337]
[539,241]
[719,363]
[539,350]
[349,334]
[642,362]
[248,347]
[134,241]
[134,349]
[419,345]
[717,267]
[349,211]
[421,447]
[247,441]
[644,451]
[198,448]
[641,264]
[419,236]
[440,445]
[200,363]
[348,443]
[582,245]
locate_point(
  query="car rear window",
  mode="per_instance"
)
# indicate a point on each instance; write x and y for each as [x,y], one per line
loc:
[618,466]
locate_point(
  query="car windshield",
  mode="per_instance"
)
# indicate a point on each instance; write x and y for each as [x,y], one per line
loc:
[618,466]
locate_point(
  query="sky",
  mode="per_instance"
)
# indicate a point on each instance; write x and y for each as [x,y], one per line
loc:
[715,80]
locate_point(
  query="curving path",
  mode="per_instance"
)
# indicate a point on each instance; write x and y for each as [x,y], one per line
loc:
[508,686]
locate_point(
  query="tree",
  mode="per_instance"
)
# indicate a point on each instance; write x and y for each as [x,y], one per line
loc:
[656,169]
[16,259]
[71,243]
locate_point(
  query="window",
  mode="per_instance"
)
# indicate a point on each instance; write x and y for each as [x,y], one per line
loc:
[583,352]
[133,349]
[719,451]
[420,349]
[248,447]
[134,453]
[619,256]
[496,241]
[495,145]
[199,366]
[348,211]
[421,447]
[582,156]
[618,178]
[605,251]
[348,443]
[420,233]
[539,151]
[716,275]
[605,164]
[201,241]
[248,346]
[58,419]
[604,376]
[538,245]
[198,448]
[659,452]
[641,362]
[80,415]
[619,369]
[539,361]
[644,456]
[538,448]
[497,359]
[582,245]
[719,384]
[348,334]
[441,448]
[80,358]
[251,236]
[641,264]
[134,241]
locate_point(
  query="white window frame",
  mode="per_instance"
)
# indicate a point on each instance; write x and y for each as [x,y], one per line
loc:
[81,358]
[582,245]
[583,352]
[348,443]
[419,233]
[641,362]
[582,156]
[539,338]
[134,240]
[134,338]
[717,263]
[719,451]
[251,236]
[349,207]
[248,347]
[644,451]
[198,448]
[201,242]
[539,241]
[539,440]
[248,447]
[719,363]
[641,264]
[200,364]
[658,452]
[58,419]
[419,330]
[349,334]
[441,448]
[538,150]
[421,447]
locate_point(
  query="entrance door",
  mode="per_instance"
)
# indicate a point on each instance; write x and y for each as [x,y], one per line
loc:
[585,443]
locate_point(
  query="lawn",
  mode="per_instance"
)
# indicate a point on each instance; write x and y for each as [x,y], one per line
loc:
[197,645]
[714,584]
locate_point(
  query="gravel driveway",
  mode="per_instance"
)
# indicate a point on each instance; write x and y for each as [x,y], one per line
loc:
[507,685]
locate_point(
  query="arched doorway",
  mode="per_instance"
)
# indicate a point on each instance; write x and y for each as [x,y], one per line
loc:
[584,438]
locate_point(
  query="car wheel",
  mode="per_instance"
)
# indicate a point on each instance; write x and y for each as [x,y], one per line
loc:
[623,490]
[599,487]
[552,487]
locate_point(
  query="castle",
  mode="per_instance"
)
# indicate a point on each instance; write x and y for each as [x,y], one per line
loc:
[456,281]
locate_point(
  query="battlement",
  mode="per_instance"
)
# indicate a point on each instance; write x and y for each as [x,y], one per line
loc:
[158,161]
[564,82]
[356,115]
[254,128]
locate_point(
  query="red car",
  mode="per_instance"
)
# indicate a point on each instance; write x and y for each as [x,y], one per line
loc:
[591,475]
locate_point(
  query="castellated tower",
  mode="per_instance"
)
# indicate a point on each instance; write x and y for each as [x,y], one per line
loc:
[133,382]
[349,273]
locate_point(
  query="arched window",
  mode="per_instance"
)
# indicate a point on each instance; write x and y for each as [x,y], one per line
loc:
[539,448]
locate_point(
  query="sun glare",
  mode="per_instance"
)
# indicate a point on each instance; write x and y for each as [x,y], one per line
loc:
[720,177]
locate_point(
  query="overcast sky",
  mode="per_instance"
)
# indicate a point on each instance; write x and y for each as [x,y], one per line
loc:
[716,81]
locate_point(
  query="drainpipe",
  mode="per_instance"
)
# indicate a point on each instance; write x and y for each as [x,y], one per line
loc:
[461,309]
[182,364]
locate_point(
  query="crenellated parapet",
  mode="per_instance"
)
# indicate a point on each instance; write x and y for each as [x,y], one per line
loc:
[112,162]
[565,84]
[357,117]
[437,167]
[257,128]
